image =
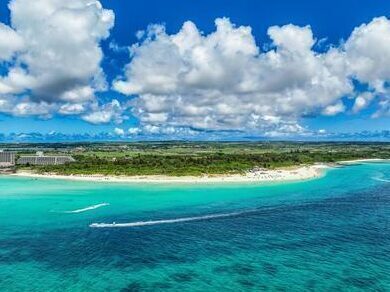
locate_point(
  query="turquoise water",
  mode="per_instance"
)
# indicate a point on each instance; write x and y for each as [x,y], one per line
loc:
[329,234]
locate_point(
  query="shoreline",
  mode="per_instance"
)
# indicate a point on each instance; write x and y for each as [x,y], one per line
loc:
[299,173]
[288,174]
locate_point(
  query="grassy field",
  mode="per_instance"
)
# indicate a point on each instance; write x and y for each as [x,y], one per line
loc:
[179,158]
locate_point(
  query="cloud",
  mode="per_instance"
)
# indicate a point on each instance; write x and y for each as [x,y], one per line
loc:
[368,59]
[223,80]
[362,101]
[368,53]
[134,131]
[161,130]
[56,137]
[23,107]
[200,136]
[11,42]
[292,38]
[334,109]
[119,132]
[50,61]
[71,109]
[106,113]
[57,55]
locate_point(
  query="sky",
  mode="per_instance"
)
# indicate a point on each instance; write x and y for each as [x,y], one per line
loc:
[194,70]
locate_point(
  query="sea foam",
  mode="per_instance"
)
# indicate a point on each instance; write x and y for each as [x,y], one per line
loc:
[93,207]
[168,221]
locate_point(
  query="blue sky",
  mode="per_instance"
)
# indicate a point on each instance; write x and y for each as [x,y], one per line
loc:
[331,25]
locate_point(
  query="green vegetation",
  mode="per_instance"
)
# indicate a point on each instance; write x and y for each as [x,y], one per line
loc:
[180,158]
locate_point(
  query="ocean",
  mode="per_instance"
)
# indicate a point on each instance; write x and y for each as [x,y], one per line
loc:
[326,234]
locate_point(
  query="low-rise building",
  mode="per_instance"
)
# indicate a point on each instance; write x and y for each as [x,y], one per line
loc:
[41,159]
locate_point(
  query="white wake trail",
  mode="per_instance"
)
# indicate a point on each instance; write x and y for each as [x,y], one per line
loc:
[93,207]
[381,179]
[167,221]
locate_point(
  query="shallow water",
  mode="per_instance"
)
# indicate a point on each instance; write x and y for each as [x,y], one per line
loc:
[331,233]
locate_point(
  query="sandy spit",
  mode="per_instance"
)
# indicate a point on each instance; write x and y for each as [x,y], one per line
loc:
[275,175]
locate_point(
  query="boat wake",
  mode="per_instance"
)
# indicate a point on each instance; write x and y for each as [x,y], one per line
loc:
[168,221]
[381,179]
[93,207]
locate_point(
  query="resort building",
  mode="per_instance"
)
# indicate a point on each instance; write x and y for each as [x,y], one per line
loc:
[41,159]
[7,158]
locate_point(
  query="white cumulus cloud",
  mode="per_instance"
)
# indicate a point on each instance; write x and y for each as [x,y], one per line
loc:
[10,43]
[119,132]
[223,80]
[334,109]
[368,53]
[362,101]
[56,46]
[50,58]
[102,114]
[368,57]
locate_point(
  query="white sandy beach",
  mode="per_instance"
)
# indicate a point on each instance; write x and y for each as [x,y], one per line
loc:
[276,175]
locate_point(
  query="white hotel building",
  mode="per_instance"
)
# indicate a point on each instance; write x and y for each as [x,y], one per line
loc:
[7,158]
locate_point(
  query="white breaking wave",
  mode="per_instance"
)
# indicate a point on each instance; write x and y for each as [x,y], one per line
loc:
[381,179]
[93,207]
[167,221]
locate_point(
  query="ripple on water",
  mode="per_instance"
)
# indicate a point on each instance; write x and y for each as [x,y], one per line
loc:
[246,283]
[361,282]
[133,287]
[270,269]
[183,276]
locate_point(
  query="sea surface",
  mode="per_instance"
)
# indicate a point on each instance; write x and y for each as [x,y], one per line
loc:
[327,234]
